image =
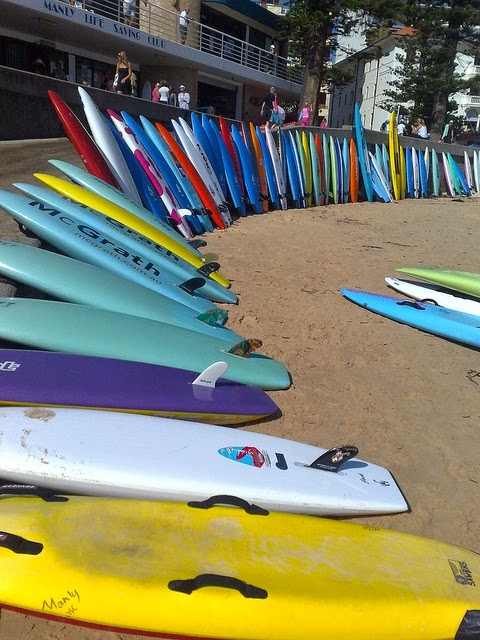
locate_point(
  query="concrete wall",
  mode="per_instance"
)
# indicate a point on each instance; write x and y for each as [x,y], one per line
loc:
[27,113]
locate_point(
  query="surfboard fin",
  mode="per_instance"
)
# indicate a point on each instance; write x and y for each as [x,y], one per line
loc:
[213,317]
[197,243]
[246,347]
[190,286]
[20,545]
[333,459]
[210,375]
[209,268]
[31,490]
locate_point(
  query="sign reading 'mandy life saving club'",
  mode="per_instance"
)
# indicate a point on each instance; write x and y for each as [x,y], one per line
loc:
[102,24]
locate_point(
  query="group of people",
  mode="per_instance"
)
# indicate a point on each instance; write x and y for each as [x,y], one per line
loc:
[164,93]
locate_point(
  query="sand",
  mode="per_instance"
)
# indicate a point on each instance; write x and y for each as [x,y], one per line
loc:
[408,400]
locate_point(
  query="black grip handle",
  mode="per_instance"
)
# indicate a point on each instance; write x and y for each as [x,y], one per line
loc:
[31,490]
[233,501]
[215,580]
[20,545]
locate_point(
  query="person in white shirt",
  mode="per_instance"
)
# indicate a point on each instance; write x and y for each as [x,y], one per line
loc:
[401,128]
[164,92]
[419,130]
[183,98]
[183,23]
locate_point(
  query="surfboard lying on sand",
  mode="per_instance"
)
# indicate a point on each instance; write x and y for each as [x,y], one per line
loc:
[181,571]
[426,292]
[46,378]
[452,325]
[76,281]
[75,328]
[117,454]
[463,281]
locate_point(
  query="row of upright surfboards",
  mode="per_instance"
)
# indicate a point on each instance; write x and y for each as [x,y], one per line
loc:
[169,531]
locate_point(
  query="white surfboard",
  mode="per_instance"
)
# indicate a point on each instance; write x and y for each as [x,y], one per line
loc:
[438,295]
[416,174]
[277,168]
[476,173]
[468,169]
[147,90]
[109,147]
[119,454]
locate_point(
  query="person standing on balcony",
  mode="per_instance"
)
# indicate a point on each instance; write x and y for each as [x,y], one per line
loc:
[183,98]
[123,73]
[172,98]
[184,22]
[129,7]
[155,93]
[164,92]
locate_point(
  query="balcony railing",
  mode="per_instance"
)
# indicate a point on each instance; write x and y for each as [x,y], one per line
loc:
[163,23]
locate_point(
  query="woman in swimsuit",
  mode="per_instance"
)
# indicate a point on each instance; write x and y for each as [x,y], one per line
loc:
[124,71]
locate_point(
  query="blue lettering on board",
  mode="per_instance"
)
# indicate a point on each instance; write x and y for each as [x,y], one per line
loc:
[65,10]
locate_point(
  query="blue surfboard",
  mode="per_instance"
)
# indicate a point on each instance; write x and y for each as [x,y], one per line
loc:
[298,169]
[268,162]
[326,163]
[363,158]
[409,172]
[233,183]
[422,167]
[292,175]
[250,174]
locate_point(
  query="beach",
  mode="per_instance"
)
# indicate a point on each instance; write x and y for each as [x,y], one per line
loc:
[408,400]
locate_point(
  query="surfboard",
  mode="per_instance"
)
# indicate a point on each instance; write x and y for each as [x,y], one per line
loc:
[321,161]
[236,199]
[75,281]
[462,281]
[104,563]
[409,172]
[216,160]
[326,164]
[298,167]
[476,175]
[445,323]
[422,170]
[207,175]
[86,148]
[426,292]
[346,170]
[50,379]
[403,173]
[273,190]
[394,154]
[426,157]
[315,163]
[363,156]
[204,162]
[106,142]
[379,183]
[226,136]
[152,171]
[147,90]
[202,133]
[308,168]
[448,175]
[151,229]
[459,179]
[201,187]
[339,165]
[249,174]
[84,242]
[277,168]
[180,269]
[333,171]
[260,166]
[74,328]
[292,174]
[354,171]
[435,174]
[467,164]
[386,166]
[415,174]
[132,456]
[178,185]
[379,157]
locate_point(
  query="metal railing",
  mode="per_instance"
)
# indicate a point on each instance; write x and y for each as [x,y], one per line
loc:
[163,23]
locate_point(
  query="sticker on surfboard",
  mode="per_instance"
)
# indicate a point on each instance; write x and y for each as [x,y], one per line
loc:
[250,456]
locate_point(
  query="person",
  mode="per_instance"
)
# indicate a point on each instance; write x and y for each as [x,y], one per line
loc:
[419,130]
[272,60]
[129,7]
[104,82]
[448,134]
[384,127]
[304,115]
[401,128]
[59,72]
[39,67]
[164,92]
[155,93]
[323,123]
[172,98]
[124,73]
[267,106]
[133,82]
[184,22]
[183,98]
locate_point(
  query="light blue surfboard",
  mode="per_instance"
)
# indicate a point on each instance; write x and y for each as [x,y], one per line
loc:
[233,183]
[251,178]
[435,174]
[82,283]
[363,158]
[292,175]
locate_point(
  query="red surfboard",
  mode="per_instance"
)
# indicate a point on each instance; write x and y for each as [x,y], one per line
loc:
[86,148]
[192,173]
[227,138]
[354,171]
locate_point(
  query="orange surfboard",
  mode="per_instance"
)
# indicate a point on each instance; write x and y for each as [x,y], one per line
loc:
[354,171]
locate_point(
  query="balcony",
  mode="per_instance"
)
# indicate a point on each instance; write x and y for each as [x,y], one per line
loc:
[163,23]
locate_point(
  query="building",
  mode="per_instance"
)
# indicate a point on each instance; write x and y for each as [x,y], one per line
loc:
[225,63]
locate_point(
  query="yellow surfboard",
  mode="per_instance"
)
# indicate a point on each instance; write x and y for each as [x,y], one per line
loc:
[94,201]
[394,154]
[173,569]
[308,169]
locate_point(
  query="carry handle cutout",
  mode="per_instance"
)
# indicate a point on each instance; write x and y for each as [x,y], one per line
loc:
[31,490]
[215,580]
[20,545]
[232,501]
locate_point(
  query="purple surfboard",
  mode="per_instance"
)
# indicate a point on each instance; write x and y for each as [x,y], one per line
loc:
[66,380]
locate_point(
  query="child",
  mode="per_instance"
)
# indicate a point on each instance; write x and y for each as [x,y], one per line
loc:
[304,117]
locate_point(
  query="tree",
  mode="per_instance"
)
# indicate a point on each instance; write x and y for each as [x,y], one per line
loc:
[429,75]
[312,27]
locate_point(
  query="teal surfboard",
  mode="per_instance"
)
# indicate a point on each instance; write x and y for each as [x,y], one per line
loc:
[86,242]
[315,161]
[363,157]
[75,281]
[75,328]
